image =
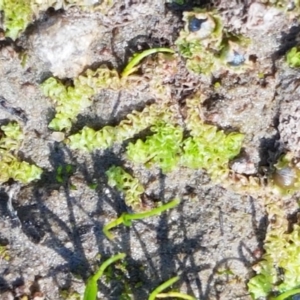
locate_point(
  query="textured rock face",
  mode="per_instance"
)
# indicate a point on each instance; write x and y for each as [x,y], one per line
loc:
[54,230]
[66,45]
[289,125]
[263,18]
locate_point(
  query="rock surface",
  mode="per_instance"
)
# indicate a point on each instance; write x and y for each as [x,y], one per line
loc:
[54,231]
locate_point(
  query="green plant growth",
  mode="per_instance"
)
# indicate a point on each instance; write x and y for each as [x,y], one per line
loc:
[293,57]
[72,100]
[4,253]
[137,58]
[157,293]
[89,139]
[162,149]
[208,47]
[284,4]
[125,183]
[127,218]
[281,253]
[119,273]
[206,147]
[287,295]
[11,166]
[63,173]
[91,288]
[18,14]
[69,295]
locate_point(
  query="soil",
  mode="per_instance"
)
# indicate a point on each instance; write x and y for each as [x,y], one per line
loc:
[53,232]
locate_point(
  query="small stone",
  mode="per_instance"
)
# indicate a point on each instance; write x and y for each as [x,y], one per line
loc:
[7,296]
[244,166]
[65,44]
[57,136]
[38,296]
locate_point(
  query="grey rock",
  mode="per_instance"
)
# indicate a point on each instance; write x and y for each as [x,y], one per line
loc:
[66,44]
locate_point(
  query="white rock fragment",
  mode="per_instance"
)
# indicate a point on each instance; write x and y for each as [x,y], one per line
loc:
[65,45]
[244,166]
[57,136]
[263,18]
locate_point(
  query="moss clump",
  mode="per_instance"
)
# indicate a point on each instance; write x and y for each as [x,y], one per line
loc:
[162,149]
[281,253]
[72,100]
[88,139]
[18,14]
[293,57]
[207,147]
[4,253]
[126,184]
[10,165]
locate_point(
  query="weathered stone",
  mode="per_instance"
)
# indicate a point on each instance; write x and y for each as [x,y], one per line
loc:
[65,44]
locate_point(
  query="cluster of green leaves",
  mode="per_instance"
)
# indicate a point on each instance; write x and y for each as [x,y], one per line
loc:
[11,138]
[91,289]
[18,14]
[89,139]
[293,57]
[207,46]
[206,147]
[125,183]
[72,100]
[162,149]
[209,149]
[4,253]
[281,253]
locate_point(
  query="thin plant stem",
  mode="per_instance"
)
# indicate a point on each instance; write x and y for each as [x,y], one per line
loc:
[91,288]
[175,295]
[111,225]
[108,262]
[131,66]
[152,212]
[287,294]
[127,218]
[162,287]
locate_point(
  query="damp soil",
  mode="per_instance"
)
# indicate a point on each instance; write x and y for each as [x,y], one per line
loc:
[53,231]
